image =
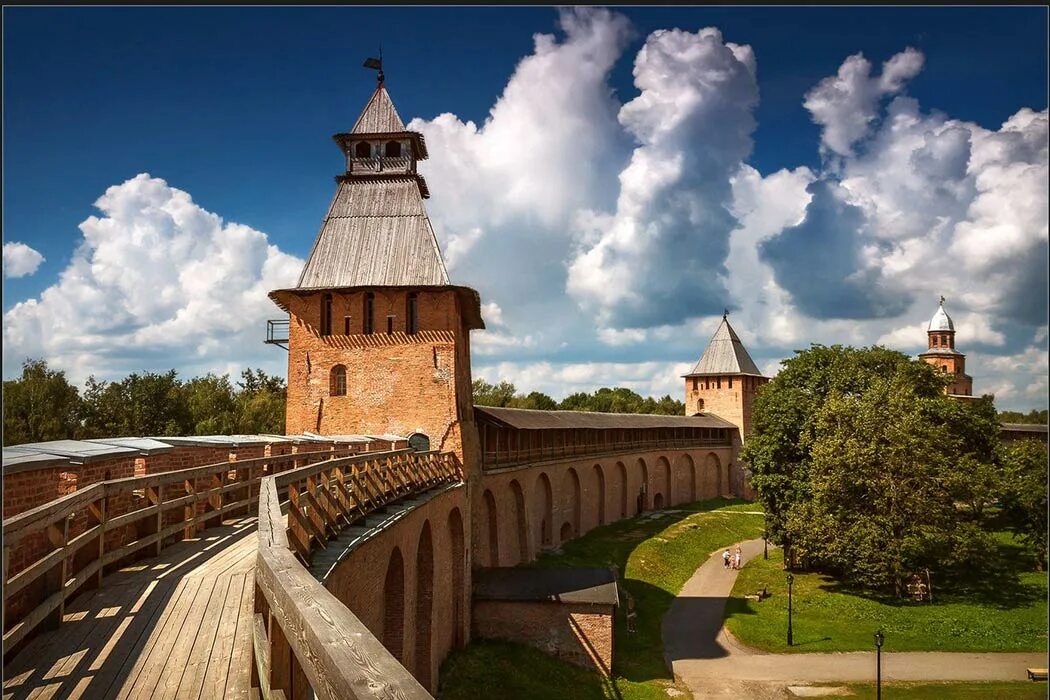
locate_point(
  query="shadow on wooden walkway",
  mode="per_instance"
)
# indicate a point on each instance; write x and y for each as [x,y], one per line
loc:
[177,626]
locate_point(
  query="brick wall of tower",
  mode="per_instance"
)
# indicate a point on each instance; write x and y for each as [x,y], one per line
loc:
[730,398]
[396,383]
[953,365]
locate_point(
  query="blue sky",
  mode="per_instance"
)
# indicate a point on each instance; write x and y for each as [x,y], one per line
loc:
[235,107]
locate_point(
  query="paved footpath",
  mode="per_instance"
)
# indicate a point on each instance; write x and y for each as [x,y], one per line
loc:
[712,663]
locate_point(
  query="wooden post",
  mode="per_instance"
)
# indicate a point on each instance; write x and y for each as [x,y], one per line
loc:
[153,493]
[189,511]
[98,514]
[280,657]
[215,500]
[55,580]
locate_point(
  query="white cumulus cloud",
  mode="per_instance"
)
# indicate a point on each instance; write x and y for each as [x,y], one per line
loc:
[20,260]
[156,282]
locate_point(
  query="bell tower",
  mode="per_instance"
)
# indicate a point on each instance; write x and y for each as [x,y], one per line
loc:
[941,353]
[378,338]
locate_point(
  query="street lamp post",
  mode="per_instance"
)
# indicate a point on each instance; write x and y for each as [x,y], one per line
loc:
[879,637]
[791,580]
[765,544]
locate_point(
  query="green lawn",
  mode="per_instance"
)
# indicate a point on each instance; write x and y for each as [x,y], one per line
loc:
[656,554]
[1020,690]
[1004,612]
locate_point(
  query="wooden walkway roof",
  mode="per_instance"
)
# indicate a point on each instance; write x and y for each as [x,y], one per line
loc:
[178,626]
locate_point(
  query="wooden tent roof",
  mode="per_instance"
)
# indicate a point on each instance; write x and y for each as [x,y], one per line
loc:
[376,233]
[725,354]
[379,115]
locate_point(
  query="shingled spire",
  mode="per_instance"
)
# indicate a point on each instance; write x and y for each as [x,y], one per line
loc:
[376,232]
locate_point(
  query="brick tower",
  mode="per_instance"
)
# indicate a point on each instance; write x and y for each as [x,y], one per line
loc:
[941,352]
[725,380]
[378,340]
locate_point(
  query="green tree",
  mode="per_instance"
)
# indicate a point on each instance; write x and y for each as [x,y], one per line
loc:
[1032,417]
[881,506]
[212,405]
[260,403]
[1025,493]
[499,395]
[40,405]
[147,404]
[837,435]
[535,400]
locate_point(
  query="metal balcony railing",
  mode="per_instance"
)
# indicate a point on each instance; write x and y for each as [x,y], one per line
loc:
[277,332]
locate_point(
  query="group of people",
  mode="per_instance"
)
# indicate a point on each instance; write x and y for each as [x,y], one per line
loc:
[732,561]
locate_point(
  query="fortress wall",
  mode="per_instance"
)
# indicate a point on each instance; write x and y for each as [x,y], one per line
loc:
[517,517]
[386,581]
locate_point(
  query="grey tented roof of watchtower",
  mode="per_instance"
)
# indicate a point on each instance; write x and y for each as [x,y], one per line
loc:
[376,233]
[725,354]
[379,115]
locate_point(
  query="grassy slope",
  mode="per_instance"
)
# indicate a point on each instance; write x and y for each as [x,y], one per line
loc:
[656,554]
[1020,690]
[1008,614]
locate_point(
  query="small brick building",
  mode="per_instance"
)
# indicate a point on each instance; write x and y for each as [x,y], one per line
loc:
[567,613]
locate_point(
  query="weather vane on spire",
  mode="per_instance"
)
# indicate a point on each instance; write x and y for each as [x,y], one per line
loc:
[376,63]
[725,314]
[942,300]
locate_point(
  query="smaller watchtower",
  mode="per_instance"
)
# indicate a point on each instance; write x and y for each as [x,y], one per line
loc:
[725,380]
[941,353]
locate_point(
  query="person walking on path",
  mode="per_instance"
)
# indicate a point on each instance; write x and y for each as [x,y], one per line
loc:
[736,558]
[725,559]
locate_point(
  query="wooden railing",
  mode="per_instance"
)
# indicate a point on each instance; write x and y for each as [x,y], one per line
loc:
[304,637]
[71,540]
[498,459]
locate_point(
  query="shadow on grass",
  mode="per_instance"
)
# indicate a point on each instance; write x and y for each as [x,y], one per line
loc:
[998,585]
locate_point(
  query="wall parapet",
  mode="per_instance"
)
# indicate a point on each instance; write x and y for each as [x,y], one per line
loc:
[305,639]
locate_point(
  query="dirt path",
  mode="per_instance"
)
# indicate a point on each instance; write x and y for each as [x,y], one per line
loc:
[705,656]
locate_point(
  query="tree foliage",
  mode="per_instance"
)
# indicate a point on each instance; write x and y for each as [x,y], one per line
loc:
[862,462]
[1025,493]
[42,405]
[1032,417]
[604,400]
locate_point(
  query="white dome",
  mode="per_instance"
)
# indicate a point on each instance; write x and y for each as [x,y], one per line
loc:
[941,321]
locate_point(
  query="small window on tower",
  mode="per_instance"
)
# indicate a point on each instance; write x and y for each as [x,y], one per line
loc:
[700,406]
[393,149]
[730,382]
[411,313]
[337,381]
[718,383]
[389,325]
[346,325]
[944,369]
[936,341]
[369,312]
[326,314]
[362,150]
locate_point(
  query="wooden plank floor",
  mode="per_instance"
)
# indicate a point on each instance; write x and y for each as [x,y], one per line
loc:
[178,626]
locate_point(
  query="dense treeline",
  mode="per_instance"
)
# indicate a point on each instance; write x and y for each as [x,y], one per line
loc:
[42,405]
[1033,417]
[868,471]
[604,400]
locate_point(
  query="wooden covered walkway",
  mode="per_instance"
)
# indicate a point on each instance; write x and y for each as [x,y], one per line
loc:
[175,626]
